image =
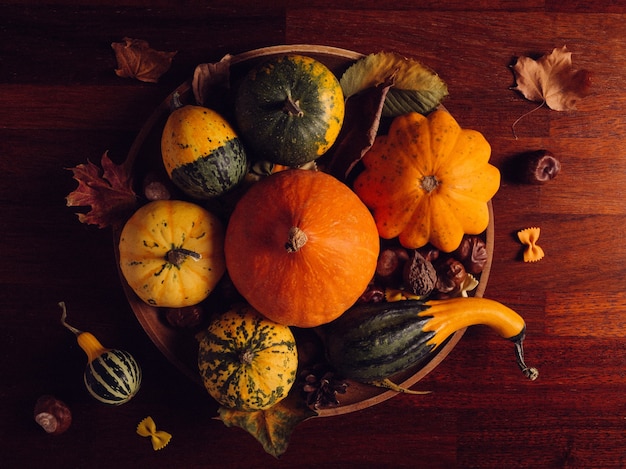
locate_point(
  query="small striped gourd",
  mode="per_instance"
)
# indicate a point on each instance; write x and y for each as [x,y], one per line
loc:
[373,341]
[246,361]
[112,376]
[201,152]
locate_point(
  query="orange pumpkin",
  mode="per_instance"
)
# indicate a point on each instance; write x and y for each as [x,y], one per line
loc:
[428,180]
[301,247]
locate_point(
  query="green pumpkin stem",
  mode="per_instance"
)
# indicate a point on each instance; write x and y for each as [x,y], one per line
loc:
[296,239]
[292,107]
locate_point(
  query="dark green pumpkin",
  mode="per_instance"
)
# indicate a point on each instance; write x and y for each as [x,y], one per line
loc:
[373,341]
[289,110]
[201,152]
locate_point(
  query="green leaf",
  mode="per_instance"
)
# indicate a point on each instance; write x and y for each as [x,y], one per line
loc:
[416,88]
[271,427]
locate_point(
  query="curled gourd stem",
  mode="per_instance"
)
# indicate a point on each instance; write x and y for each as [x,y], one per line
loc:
[63,318]
[530,372]
[86,340]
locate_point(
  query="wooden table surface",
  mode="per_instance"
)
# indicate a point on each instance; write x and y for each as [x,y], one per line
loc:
[62,104]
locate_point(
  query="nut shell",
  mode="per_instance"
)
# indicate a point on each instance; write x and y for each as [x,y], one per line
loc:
[420,276]
[53,415]
[538,167]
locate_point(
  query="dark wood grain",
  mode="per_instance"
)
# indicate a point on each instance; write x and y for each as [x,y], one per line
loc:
[63,105]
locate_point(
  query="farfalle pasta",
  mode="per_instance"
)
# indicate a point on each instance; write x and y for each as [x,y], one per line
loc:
[529,237]
[159,438]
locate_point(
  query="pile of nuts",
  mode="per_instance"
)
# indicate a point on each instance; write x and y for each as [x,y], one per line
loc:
[428,272]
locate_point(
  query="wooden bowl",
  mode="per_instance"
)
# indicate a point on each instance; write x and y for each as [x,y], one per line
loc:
[178,345]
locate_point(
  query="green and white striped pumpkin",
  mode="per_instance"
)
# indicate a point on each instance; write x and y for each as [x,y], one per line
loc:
[246,361]
[113,377]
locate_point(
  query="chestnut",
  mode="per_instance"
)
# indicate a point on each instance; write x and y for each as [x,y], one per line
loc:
[185,317]
[52,415]
[472,253]
[450,275]
[538,167]
[390,265]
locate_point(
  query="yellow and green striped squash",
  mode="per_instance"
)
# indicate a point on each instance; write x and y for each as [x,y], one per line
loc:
[201,152]
[246,361]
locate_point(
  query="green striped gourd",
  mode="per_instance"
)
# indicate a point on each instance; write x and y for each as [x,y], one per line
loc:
[112,376]
[373,341]
[246,361]
[201,152]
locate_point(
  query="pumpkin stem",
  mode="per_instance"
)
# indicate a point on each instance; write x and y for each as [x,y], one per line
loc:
[297,238]
[429,183]
[292,107]
[175,102]
[246,357]
[177,256]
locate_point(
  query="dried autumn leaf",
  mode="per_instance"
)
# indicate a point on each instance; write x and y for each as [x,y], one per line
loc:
[361,123]
[272,427]
[135,59]
[208,77]
[107,191]
[552,80]
[416,87]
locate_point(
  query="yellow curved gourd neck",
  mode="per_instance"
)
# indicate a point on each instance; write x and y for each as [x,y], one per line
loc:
[91,346]
[86,340]
[451,315]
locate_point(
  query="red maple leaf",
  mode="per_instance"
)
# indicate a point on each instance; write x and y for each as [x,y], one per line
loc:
[107,190]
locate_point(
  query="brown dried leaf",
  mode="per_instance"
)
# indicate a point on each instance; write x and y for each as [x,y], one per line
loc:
[209,76]
[552,80]
[135,59]
[107,191]
[361,123]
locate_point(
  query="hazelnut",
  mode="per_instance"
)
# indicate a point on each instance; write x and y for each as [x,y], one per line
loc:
[472,252]
[450,275]
[157,187]
[538,167]
[187,317]
[52,414]
[420,275]
[390,265]
[373,294]
[430,253]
